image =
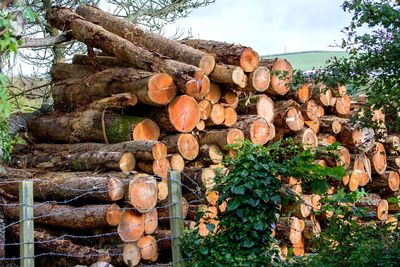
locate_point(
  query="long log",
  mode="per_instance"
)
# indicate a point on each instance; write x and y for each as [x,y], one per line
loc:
[229,74]
[77,253]
[67,186]
[189,79]
[227,53]
[115,102]
[258,130]
[186,144]
[85,126]
[150,88]
[150,41]
[143,150]
[221,137]
[95,160]
[85,217]
[64,71]
[260,105]
[385,184]
[287,115]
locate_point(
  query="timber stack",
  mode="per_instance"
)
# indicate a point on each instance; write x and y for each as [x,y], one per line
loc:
[141,105]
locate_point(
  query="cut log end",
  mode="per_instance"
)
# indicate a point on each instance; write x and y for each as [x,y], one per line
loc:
[159,150]
[201,125]
[146,130]
[294,120]
[188,146]
[205,107]
[207,63]
[249,59]
[131,254]
[215,93]
[127,162]
[238,77]
[309,139]
[281,75]
[265,108]
[142,192]
[260,79]
[113,215]
[161,167]
[382,210]
[150,221]
[177,162]
[230,116]
[148,247]
[343,105]
[161,89]
[217,115]
[162,190]
[184,113]
[260,132]
[234,136]
[379,158]
[131,227]
[394,181]
[304,93]
[115,189]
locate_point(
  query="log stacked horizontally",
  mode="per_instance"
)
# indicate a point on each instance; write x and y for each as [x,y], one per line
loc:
[148,105]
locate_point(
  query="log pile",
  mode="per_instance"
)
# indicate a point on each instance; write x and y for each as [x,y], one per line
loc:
[146,105]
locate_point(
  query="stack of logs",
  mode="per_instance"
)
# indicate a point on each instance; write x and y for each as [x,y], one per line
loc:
[146,105]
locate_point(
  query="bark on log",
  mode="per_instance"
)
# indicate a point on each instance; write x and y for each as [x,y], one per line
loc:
[289,229]
[115,102]
[184,75]
[361,139]
[374,203]
[69,186]
[332,124]
[393,162]
[100,62]
[258,130]
[210,154]
[95,161]
[229,74]
[260,105]
[150,88]
[86,126]
[150,41]
[302,94]
[281,75]
[64,71]
[85,217]
[385,184]
[79,254]
[287,115]
[221,137]
[159,167]
[227,53]
[143,150]
[186,144]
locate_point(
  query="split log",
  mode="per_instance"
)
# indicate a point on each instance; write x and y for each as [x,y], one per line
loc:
[281,75]
[259,80]
[77,253]
[143,150]
[150,41]
[131,227]
[378,157]
[82,186]
[258,130]
[214,94]
[229,74]
[227,53]
[186,144]
[189,79]
[149,88]
[385,184]
[86,126]
[85,217]
[115,102]
[222,137]
[182,116]
[287,115]
[260,105]
[142,192]
[95,160]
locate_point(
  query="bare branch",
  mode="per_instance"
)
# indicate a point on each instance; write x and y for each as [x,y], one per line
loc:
[45,42]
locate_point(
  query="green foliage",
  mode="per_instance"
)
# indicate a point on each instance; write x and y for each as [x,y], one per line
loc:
[352,237]
[254,194]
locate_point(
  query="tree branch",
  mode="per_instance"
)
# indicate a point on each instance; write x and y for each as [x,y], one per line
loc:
[47,41]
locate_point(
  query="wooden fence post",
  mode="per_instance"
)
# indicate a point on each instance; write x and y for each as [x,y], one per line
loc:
[176,216]
[26,237]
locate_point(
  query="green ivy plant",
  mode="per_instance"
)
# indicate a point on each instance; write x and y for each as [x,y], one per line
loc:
[254,195]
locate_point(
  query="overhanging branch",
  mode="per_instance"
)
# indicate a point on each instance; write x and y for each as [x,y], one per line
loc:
[45,42]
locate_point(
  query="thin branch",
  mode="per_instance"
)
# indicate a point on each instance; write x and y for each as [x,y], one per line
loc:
[46,42]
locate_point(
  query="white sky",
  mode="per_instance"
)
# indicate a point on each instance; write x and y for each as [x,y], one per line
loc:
[268,26]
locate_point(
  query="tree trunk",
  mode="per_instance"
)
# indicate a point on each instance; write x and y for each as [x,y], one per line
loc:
[332,124]
[281,75]
[149,40]
[229,74]
[64,71]
[85,126]
[95,160]
[68,186]
[186,144]
[287,115]
[117,102]
[149,88]
[79,218]
[226,53]
[143,150]
[259,80]
[258,130]
[126,51]
[77,253]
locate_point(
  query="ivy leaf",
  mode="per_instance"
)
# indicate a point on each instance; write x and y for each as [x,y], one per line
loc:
[393,200]
[238,190]
[204,250]
[210,227]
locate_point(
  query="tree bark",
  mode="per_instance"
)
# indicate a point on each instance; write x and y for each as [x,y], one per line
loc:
[385,184]
[332,124]
[79,218]
[64,71]
[85,126]
[126,51]
[149,40]
[229,74]
[77,253]
[287,115]
[221,137]
[227,53]
[68,186]
[117,102]
[149,88]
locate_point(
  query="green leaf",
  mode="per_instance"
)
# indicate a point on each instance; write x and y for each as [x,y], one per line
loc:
[210,227]
[238,190]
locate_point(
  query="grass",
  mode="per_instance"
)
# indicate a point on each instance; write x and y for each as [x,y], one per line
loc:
[308,60]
